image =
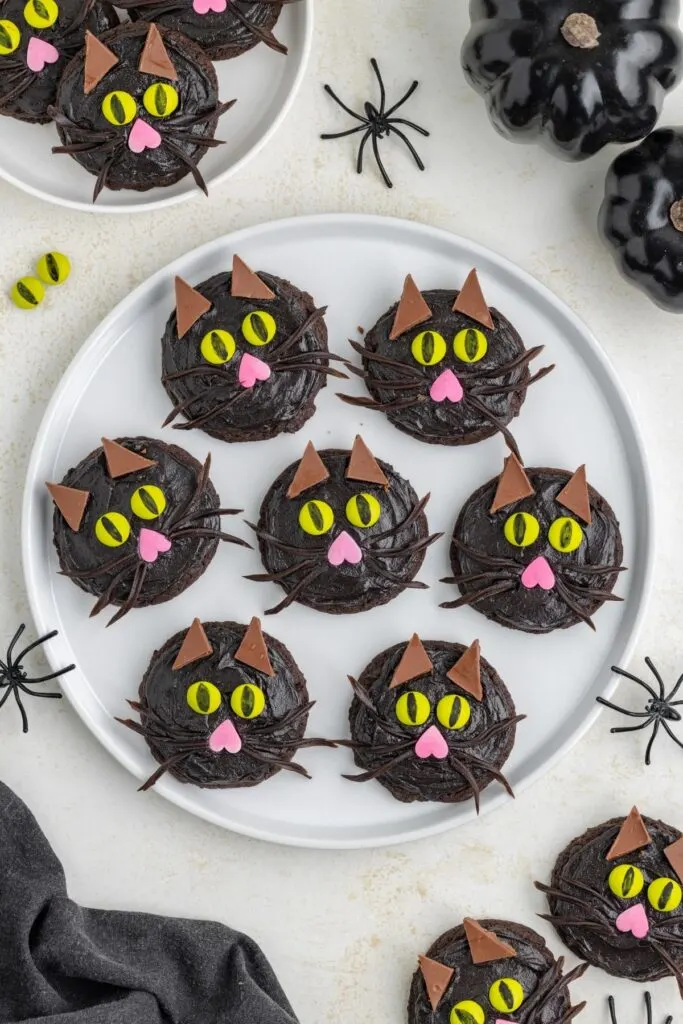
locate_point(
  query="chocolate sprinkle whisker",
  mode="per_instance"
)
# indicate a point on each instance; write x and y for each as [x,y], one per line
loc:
[187,402]
[260,755]
[469,778]
[208,513]
[568,922]
[375,357]
[277,577]
[133,595]
[416,511]
[551,985]
[216,410]
[471,577]
[188,161]
[382,571]
[481,556]
[282,723]
[479,595]
[595,570]
[105,598]
[502,726]
[215,534]
[479,762]
[371,403]
[328,371]
[265,35]
[99,570]
[515,364]
[407,549]
[292,548]
[309,322]
[295,591]
[669,961]
[376,772]
[577,901]
[473,402]
[196,371]
[572,604]
[506,389]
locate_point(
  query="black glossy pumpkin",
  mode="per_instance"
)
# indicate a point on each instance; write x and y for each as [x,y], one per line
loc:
[642,216]
[573,74]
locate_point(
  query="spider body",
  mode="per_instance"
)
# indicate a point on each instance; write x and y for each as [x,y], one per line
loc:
[660,709]
[14,677]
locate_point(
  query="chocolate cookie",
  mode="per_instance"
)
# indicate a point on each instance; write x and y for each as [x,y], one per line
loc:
[445,368]
[615,897]
[341,532]
[432,721]
[136,522]
[486,971]
[37,39]
[137,110]
[522,560]
[222,706]
[244,355]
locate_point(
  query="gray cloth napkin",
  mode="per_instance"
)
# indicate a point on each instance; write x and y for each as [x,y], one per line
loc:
[65,964]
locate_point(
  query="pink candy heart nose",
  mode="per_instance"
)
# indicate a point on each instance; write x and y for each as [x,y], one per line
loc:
[39,53]
[151,544]
[634,920]
[143,136]
[431,744]
[225,737]
[204,6]
[252,369]
[538,574]
[344,549]
[446,387]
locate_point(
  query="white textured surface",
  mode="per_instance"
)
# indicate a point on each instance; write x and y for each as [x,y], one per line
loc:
[342,930]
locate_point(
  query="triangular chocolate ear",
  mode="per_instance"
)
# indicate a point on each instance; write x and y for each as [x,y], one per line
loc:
[466,673]
[674,855]
[364,466]
[412,310]
[632,835]
[310,471]
[485,946]
[99,59]
[190,305]
[154,59]
[194,647]
[122,461]
[471,301]
[71,502]
[437,978]
[245,284]
[574,496]
[413,664]
[253,651]
[513,485]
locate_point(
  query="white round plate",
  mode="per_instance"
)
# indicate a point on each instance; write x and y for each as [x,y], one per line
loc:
[263,82]
[355,264]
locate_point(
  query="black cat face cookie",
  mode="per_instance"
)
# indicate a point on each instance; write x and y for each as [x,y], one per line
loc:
[136,522]
[445,368]
[536,549]
[244,355]
[615,898]
[341,532]
[432,721]
[491,972]
[222,706]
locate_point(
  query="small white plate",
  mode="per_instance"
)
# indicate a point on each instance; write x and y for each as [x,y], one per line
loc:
[356,264]
[263,82]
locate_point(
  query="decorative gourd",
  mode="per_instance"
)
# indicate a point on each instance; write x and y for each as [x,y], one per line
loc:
[642,216]
[573,74]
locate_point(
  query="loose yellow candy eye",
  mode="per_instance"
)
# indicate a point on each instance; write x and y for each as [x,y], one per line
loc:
[27,293]
[41,13]
[453,711]
[248,700]
[217,347]
[259,328]
[506,995]
[363,510]
[664,895]
[112,529]
[53,268]
[160,99]
[316,518]
[148,502]
[470,345]
[413,708]
[626,881]
[521,529]
[10,37]
[119,107]
[203,697]
[467,1012]
[565,534]
[428,348]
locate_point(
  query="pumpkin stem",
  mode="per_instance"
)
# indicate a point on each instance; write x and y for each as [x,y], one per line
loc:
[581,30]
[676,214]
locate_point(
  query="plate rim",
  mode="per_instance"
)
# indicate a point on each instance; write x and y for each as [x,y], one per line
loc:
[233,239]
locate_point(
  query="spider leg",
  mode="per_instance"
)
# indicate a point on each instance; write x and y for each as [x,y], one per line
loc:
[411,147]
[359,161]
[328,89]
[622,711]
[655,673]
[52,675]
[404,98]
[13,644]
[5,695]
[375,149]
[22,709]
[343,135]
[634,728]
[634,679]
[675,691]
[667,729]
[382,91]
[653,737]
[36,643]
[410,124]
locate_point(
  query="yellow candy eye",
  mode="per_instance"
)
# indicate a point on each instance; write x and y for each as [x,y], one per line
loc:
[27,293]
[413,708]
[470,345]
[467,1012]
[363,510]
[428,348]
[160,99]
[112,529]
[626,881]
[521,529]
[565,534]
[53,268]
[259,328]
[506,995]
[664,895]
[148,502]
[217,347]
[41,13]
[453,711]
[248,700]
[203,697]
[10,37]
[316,518]
[119,107]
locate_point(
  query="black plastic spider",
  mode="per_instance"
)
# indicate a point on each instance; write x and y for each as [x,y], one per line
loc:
[660,709]
[13,678]
[377,124]
[648,1010]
